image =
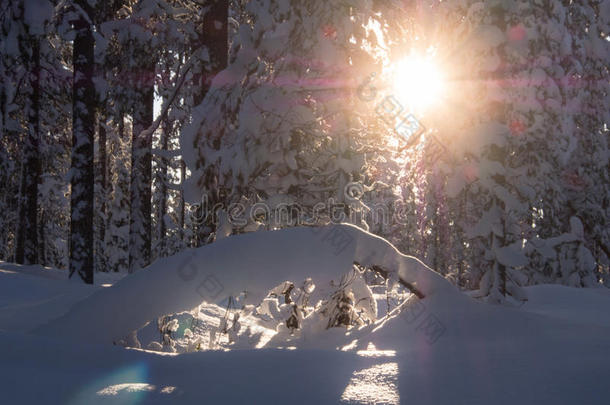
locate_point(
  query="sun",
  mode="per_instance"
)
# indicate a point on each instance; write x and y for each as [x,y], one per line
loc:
[418,82]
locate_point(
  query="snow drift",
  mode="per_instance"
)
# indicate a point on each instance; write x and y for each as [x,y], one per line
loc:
[251,263]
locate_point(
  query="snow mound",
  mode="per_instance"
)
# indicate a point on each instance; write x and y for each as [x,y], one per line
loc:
[251,263]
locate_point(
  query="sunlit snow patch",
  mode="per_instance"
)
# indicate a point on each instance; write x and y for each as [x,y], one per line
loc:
[113,390]
[377,384]
[167,390]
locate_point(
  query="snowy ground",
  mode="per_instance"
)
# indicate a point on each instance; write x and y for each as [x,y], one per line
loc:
[555,349]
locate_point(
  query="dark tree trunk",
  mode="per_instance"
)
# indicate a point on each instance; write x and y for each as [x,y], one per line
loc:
[103,183]
[105,11]
[460,238]
[2,110]
[140,227]
[122,188]
[501,242]
[42,254]
[215,38]
[166,127]
[20,231]
[122,135]
[27,240]
[82,179]
[182,208]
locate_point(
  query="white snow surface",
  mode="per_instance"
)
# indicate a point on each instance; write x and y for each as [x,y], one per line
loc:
[554,349]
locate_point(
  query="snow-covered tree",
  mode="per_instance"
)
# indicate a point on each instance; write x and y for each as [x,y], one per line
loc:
[483,140]
[282,127]
[117,235]
[29,22]
[274,103]
[141,67]
[81,173]
[586,176]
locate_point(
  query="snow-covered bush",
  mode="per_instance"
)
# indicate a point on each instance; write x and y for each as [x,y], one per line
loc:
[563,259]
[289,312]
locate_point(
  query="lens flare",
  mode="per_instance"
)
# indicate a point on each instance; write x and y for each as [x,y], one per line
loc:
[418,82]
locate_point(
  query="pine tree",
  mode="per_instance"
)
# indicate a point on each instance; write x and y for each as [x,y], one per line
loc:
[117,244]
[586,178]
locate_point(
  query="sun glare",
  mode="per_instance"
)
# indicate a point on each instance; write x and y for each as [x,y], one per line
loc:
[418,82]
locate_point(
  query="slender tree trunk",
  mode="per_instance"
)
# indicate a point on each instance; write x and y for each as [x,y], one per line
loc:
[82,179]
[162,175]
[166,127]
[140,227]
[436,236]
[182,207]
[42,254]
[122,126]
[2,108]
[20,231]
[103,183]
[105,11]
[460,240]
[501,242]
[122,193]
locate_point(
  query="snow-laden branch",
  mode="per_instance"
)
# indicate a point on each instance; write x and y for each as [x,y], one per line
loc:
[168,103]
